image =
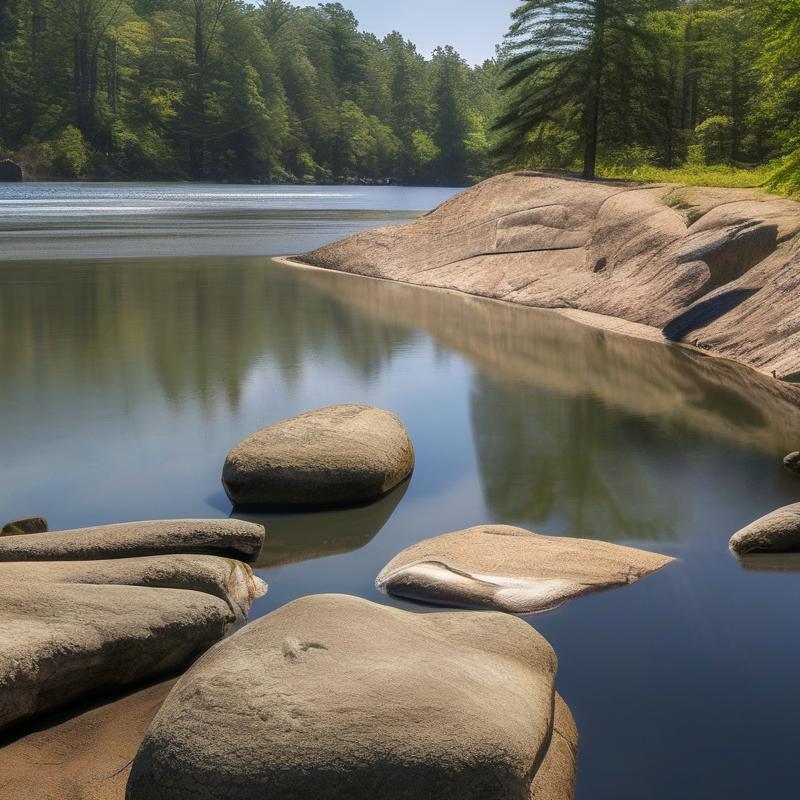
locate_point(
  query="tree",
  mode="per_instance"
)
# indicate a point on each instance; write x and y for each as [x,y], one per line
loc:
[452,125]
[560,54]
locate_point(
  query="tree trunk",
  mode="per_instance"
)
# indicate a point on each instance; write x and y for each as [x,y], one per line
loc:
[592,112]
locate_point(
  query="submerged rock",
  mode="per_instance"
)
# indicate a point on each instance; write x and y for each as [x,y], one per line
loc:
[792,462]
[511,569]
[725,277]
[228,537]
[335,698]
[776,532]
[24,526]
[335,456]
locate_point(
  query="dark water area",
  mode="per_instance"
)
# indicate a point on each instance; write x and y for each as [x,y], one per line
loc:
[126,380]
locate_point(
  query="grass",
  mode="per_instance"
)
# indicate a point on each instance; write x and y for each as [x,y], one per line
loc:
[695,175]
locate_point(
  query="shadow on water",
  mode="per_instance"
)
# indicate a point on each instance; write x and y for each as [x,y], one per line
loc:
[296,537]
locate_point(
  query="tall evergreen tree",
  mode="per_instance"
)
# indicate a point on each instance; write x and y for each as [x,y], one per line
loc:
[560,57]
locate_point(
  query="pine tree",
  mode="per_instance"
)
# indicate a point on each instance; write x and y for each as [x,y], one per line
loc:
[558,63]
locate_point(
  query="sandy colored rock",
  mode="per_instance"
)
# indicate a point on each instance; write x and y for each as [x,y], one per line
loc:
[226,578]
[228,537]
[711,267]
[334,456]
[776,532]
[24,526]
[73,629]
[349,699]
[792,462]
[511,569]
[83,755]
[555,778]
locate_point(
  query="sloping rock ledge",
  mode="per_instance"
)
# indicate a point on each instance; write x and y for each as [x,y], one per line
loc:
[718,269]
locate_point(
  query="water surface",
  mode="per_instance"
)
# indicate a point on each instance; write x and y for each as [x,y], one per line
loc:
[126,380]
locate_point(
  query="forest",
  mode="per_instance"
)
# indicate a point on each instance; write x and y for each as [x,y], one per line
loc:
[271,91]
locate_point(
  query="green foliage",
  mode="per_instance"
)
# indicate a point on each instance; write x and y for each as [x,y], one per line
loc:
[701,92]
[715,139]
[228,90]
[70,154]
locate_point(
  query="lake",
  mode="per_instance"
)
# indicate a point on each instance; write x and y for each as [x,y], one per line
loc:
[145,330]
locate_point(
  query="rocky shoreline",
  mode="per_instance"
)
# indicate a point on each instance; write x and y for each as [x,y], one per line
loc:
[713,269]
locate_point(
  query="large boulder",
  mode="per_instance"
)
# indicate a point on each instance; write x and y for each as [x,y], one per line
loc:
[712,267]
[229,537]
[335,456]
[10,171]
[776,532]
[334,697]
[511,569]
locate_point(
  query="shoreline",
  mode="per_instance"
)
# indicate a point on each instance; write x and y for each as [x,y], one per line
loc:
[590,319]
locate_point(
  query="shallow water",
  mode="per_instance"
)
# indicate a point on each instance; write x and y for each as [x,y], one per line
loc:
[126,380]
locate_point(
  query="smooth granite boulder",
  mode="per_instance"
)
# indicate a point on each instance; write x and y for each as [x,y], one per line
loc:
[511,569]
[776,532]
[335,456]
[24,526]
[792,462]
[229,537]
[73,629]
[333,697]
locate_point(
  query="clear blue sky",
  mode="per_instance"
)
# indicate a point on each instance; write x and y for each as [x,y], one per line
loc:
[473,27]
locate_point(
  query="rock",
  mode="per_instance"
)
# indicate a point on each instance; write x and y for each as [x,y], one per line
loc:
[24,526]
[10,172]
[727,281]
[335,456]
[334,697]
[82,755]
[792,462]
[511,569]
[228,537]
[776,532]
[70,629]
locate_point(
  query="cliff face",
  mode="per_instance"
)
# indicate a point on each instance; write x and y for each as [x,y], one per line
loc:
[712,267]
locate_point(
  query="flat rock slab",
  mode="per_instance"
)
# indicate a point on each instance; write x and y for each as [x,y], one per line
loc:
[511,569]
[228,537]
[725,277]
[335,456]
[72,629]
[84,755]
[333,698]
[776,532]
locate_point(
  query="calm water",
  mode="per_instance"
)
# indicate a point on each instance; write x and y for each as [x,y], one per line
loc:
[126,380]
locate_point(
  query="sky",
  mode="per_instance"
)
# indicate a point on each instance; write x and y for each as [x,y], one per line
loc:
[473,27]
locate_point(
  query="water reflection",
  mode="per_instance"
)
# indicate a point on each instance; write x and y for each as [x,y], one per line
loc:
[574,430]
[292,538]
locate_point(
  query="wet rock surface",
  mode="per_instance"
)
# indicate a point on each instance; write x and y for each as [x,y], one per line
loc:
[336,456]
[776,532]
[344,698]
[511,569]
